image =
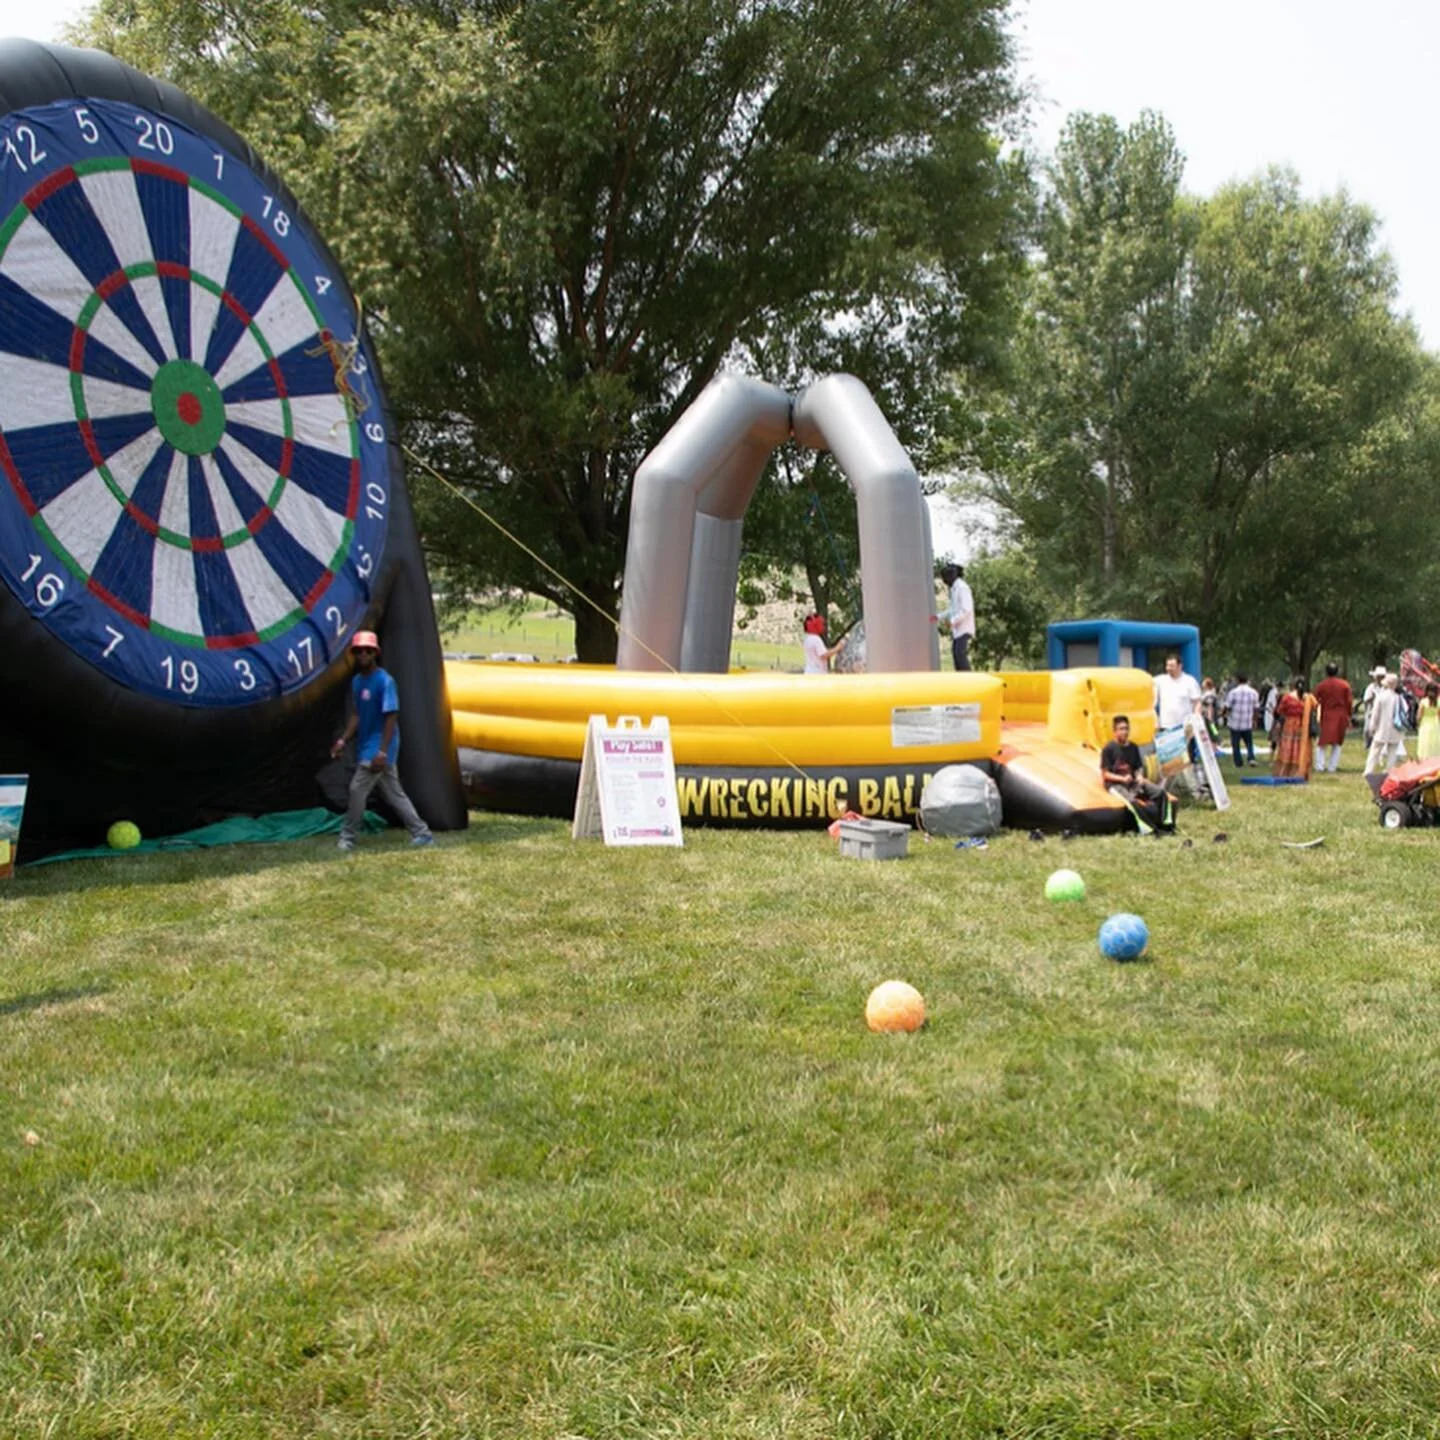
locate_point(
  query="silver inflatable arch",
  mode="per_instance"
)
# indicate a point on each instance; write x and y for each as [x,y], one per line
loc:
[687,513]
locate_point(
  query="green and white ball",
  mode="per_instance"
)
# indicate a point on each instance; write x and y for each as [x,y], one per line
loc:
[1064,885]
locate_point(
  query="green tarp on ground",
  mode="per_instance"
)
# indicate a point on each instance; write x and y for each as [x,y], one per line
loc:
[239,830]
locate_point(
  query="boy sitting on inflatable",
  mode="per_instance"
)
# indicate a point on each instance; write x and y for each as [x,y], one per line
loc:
[1123,771]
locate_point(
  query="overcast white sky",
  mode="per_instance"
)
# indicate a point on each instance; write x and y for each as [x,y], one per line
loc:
[1342,92]
[37,19]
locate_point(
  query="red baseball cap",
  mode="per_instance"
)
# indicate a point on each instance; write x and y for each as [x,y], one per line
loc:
[365,640]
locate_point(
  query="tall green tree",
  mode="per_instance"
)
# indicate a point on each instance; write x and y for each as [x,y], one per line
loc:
[1095,349]
[1332,556]
[803,519]
[1013,605]
[1192,375]
[564,216]
[1295,357]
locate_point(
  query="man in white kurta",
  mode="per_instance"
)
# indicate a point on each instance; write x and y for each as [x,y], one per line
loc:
[961,615]
[817,654]
[1372,693]
[1387,744]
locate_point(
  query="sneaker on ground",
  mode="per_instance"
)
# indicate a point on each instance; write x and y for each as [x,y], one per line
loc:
[344,844]
[421,841]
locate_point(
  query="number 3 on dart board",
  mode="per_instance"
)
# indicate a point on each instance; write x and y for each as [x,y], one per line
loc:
[197,479]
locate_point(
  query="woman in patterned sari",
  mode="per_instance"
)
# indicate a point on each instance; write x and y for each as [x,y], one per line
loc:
[1290,748]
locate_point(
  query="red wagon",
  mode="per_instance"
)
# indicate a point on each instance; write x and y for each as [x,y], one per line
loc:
[1408,795]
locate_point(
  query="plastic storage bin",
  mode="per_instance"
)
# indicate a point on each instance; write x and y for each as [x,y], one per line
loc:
[874,839]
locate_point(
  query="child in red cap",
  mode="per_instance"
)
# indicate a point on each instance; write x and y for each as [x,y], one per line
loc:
[817,656]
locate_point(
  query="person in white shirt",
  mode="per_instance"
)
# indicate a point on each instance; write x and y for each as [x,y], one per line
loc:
[961,615]
[1388,745]
[817,657]
[1177,695]
[1371,695]
[1270,693]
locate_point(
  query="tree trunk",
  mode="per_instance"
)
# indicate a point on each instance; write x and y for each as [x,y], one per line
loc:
[816,577]
[1301,650]
[596,638]
[1109,524]
[819,592]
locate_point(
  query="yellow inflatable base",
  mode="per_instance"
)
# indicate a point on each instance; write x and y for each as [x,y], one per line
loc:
[760,748]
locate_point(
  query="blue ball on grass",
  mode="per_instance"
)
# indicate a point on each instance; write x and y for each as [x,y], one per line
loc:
[1123,937]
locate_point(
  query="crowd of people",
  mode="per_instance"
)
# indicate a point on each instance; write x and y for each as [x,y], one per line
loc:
[1307,728]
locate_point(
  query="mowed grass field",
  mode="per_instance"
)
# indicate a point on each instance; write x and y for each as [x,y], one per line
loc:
[543,632]
[524,1137]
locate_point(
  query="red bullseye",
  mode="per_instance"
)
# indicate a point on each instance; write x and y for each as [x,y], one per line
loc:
[188,408]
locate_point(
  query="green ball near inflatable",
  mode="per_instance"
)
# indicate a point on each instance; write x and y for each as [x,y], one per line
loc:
[123,835]
[1064,885]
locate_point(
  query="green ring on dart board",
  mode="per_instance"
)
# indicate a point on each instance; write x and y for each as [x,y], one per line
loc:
[188,407]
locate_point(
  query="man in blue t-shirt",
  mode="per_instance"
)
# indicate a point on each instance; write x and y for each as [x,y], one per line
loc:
[376,721]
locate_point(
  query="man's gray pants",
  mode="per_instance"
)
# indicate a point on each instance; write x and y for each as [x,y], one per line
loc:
[387,782]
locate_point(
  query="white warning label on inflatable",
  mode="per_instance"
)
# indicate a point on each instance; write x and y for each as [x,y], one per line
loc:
[934,725]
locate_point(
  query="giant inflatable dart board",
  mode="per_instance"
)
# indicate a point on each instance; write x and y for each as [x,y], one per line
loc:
[201,496]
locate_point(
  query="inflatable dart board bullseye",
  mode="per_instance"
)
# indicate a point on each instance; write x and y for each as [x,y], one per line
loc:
[201,495]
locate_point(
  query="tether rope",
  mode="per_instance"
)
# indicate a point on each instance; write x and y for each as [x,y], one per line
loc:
[600,610]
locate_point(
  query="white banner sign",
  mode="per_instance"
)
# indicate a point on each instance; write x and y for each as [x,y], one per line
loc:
[627,784]
[1197,729]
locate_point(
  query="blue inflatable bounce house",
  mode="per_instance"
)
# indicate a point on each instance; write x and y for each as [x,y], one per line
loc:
[1072,643]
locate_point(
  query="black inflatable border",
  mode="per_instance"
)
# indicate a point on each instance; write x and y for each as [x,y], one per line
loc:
[540,785]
